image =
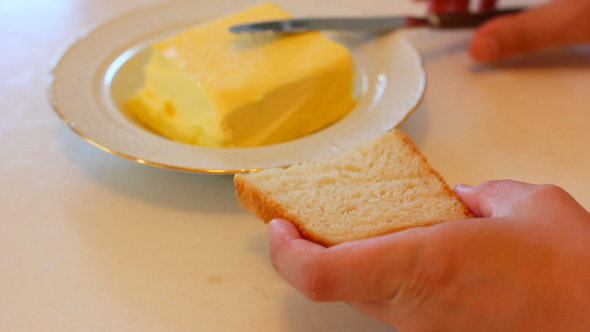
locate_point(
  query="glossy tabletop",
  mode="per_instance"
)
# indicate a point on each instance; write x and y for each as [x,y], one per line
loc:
[90,241]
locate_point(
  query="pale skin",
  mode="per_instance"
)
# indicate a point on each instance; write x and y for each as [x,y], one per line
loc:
[523,264]
[551,25]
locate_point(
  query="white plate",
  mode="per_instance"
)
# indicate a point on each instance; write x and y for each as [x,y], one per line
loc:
[102,69]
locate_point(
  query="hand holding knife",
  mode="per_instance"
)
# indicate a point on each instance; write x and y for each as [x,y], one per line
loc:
[451,20]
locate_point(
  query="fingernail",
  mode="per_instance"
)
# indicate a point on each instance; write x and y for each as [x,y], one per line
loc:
[277,222]
[274,221]
[462,187]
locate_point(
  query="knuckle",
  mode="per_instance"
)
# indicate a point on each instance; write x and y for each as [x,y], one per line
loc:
[433,272]
[275,256]
[493,186]
[550,195]
[315,285]
[550,190]
[437,268]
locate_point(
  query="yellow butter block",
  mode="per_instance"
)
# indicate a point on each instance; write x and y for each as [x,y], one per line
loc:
[210,87]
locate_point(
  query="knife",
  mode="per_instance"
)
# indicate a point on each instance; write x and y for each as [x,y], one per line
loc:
[454,20]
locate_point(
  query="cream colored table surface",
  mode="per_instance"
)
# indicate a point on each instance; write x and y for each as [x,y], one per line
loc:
[93,242]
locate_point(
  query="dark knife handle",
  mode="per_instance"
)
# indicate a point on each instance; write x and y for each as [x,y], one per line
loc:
[466,20]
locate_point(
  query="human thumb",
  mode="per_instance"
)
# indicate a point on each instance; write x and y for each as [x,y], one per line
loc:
[558,23]
[496,198]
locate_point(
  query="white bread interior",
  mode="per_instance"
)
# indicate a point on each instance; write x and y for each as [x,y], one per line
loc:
[374,188]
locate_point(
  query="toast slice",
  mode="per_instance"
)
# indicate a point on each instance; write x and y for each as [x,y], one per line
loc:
[374,188]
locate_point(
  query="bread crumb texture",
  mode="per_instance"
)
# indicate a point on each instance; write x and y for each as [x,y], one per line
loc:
[377,187]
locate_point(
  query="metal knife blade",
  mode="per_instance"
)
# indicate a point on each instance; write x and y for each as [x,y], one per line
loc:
[304,24]
[434,20]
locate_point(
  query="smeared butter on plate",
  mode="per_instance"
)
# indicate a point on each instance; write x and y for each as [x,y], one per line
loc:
[210,87]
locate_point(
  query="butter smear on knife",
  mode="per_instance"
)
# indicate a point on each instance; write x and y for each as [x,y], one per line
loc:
[210,87]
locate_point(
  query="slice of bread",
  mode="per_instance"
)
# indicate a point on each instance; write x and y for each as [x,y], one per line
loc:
[374,188]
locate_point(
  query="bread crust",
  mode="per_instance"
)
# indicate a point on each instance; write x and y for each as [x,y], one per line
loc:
[409,143]
[267,209]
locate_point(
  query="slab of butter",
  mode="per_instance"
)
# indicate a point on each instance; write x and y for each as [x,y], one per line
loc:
[210,87]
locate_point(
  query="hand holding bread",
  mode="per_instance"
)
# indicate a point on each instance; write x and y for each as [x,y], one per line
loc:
[522,265]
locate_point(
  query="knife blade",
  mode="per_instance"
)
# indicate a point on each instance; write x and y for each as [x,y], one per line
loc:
[455,20]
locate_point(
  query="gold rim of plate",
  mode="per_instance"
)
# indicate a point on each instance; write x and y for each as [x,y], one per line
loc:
[418,75]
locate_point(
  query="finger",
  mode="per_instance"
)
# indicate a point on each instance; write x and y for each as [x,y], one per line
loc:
[359,270]
[495,198]
[554,24]
[288,251]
